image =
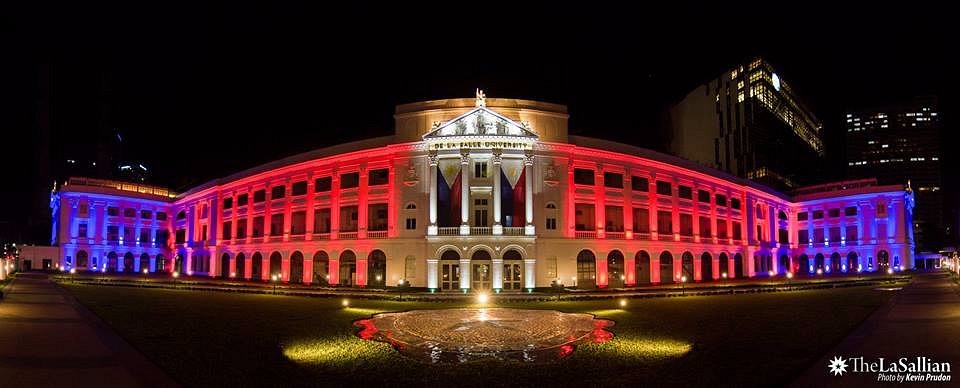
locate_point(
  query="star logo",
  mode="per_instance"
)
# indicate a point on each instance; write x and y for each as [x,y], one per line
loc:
[838,366]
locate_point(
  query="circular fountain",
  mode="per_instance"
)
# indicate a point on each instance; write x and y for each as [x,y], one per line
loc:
[466,334]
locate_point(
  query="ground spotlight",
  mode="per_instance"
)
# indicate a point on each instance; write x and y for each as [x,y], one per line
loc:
[483,298]
[345,303]
[623,303]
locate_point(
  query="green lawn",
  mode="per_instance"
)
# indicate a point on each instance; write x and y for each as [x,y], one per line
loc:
[225,339]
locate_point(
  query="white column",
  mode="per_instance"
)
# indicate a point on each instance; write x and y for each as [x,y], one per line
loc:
[530,273]
[464,193]
[464,273]
[432,271]
[432,226]
[528,190]
[497,274]
[497,165]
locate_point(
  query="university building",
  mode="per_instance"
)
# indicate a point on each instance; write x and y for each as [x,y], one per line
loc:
[482,194]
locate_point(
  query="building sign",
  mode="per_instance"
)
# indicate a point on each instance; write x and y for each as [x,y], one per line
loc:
[491,144]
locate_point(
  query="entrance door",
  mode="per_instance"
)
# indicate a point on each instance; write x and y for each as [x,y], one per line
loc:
[512,275]
[449,275]
[481,275]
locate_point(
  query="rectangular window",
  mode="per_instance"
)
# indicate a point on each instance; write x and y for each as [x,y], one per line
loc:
[835,233]
[161,236]
[380,176]
[684,192]
[227,203]
[735,203]
[298,188]
[276,224]
[760,236]
[703,196]
[722,229]
[722,201]
[348,219]
[850,211]
[349,180]
[480,218]
[278,192]
[377,217]
[551,223]
[802,216]
[161,216]
[614,218]
[737,231]
[664,222]
[582,176]
[144,236]
[686,225]
[146,214]
[203,233]
[639,184]
[129,212]
[803,236]
[585,217]
[851,233]
[181,236]
[834,213]
[818,236]
[641,220]
[298,222]
[113,211]
[257,227]
[664,188]
[113,233]
[783,236]
[242,228]
[321,220]
[259,196]
[227,230]
[127,234]
[480,169]
[705,227]
[817,214]
[613,180]
[322,185]
[411,223]
[82,230]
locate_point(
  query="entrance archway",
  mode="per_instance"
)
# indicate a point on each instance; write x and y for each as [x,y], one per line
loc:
[784,265]
[615,274]
[835,265]
[81,260]
[144,262]
[296,267]
[818,262]
[321,268]
[512,270]
[883,261]
[481,271]
[805,266]
[377,269]
[225,266]
[666,268]
[348,268]
[450,270]
[161,264]
[686,266]
[276,265]
[738,266]
[241,266]
[853,264]
[586,270]
[256,266]
[111,262]
[706,267]
[128,262]
[642,267]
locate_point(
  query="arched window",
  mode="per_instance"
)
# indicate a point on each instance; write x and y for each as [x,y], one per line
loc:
[551,205]
[781,215]
[181,215]
[296,267]
[377,269]
[348,268]
[586,269]
[411,206]
[321,268]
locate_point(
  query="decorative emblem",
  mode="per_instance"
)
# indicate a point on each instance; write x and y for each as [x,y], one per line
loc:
[838,366]
[550,174]
[481,99]
[411,178]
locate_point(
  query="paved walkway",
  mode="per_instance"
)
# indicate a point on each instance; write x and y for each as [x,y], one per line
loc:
[922,320]
[47,339]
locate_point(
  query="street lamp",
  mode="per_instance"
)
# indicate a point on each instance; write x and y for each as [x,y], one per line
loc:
[683,279]
[274,278]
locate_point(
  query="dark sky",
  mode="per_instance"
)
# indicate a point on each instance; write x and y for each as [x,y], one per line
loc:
[203,90]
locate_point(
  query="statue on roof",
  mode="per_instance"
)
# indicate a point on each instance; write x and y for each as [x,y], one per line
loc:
[481,99]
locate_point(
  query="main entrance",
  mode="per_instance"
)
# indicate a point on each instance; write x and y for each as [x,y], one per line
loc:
[512,271]
[481,271]
[450,271]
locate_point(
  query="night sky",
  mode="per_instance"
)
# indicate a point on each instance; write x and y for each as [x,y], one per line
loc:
[201,91]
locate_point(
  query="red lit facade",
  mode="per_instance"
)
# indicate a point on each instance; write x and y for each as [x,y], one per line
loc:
[492,194]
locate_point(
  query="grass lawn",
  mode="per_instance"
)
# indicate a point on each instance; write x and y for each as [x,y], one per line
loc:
[225,339]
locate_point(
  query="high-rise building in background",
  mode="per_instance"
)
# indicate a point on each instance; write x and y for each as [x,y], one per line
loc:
[898,143]
[749,122]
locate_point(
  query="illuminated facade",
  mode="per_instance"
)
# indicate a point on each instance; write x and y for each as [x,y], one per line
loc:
[480,194]
[743,121]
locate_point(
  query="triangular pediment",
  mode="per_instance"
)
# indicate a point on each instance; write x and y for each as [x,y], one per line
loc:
[480,122]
